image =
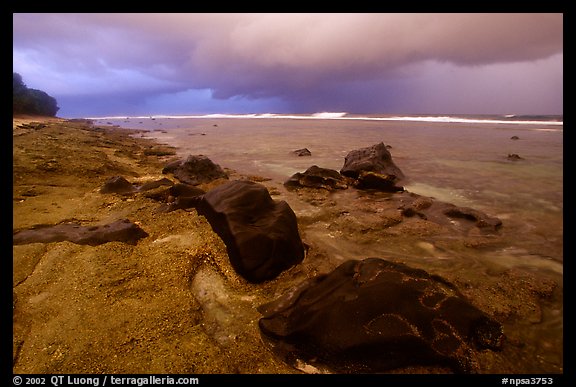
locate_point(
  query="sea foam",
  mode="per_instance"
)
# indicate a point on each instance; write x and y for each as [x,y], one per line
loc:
[345,116]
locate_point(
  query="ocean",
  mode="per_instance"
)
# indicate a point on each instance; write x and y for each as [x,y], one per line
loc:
[457,159]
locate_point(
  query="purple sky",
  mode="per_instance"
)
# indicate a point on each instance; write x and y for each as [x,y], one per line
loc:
[141,64]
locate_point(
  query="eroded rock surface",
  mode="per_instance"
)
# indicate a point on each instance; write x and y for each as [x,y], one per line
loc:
[442,213]
[376,158]
[378,181]
[374,315]
[316,177]
[121,230]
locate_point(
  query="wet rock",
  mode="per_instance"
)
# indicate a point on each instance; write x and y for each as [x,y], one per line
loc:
[373,316]
[372,159]
[482,220]
[196,169]
[121,231]
[118,185]
[302,152]
[416,207]
[442,212]
[514,157]
[373,180]
[261,235]
[316,177]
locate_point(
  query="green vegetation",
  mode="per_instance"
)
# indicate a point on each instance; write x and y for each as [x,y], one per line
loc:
[31,101]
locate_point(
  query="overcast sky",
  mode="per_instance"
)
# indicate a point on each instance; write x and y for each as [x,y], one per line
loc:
[140,64]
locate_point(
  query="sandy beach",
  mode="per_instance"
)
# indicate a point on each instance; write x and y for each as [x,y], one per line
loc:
[172,303]
[116,308]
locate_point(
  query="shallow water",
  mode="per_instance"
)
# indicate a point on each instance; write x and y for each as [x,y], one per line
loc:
[464,163]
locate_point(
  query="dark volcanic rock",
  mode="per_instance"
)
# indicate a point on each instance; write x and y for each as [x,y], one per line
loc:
[375,315]
[119,185]
[481,219]
[261,235]
[196,169]
[302,152]
[442,212]
[180,203]
[373,180]
[372,159]
[181,197]
[185,190]
[316,177]
[514,138]
[514,157]
[174,192]
[121,231]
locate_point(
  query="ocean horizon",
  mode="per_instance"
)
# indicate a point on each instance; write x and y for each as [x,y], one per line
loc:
[522,119]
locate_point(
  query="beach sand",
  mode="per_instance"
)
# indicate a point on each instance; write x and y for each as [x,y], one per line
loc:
[117,308]
[172,303]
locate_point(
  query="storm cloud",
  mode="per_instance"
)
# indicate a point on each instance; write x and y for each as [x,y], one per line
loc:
[294,62]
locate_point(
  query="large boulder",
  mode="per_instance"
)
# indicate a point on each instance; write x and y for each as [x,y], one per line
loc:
[376,159]
[119,231]
[316,177]
[196,169]
[261,235]
[373,316]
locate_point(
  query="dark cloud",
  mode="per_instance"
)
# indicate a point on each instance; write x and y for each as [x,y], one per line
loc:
[297,57]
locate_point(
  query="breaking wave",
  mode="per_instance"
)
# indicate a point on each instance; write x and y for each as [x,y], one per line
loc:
[506,119]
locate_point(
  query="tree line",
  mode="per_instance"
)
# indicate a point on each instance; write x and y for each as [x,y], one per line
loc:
[32,101]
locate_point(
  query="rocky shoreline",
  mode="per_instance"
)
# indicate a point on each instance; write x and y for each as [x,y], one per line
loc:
[172,302]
